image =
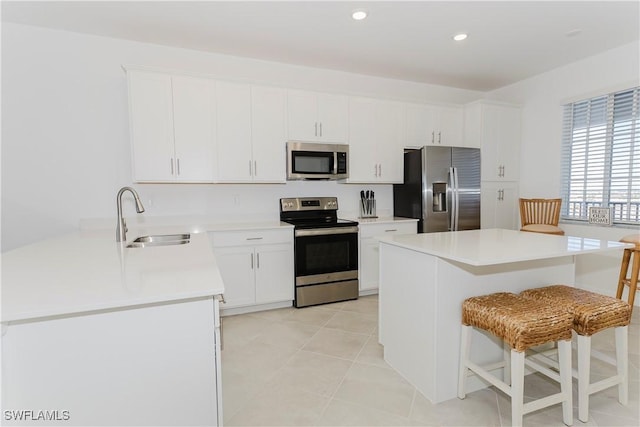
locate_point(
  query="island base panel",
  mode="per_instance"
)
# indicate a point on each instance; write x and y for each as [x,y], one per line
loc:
[420,312]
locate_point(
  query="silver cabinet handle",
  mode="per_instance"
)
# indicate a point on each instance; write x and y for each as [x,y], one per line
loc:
[316,129]
[252,261]
[390,231]
[178,164]
[250,171]
[254,238]
[380,169]
[433,137]
[258,260]
[439,137]
[375,170]
[255,168]
[172,166]
[320,128]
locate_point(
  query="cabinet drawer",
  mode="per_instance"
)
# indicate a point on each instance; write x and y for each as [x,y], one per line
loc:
[370,230]
[251,237]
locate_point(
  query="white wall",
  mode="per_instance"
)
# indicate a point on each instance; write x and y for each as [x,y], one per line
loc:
[65,135]
[542,98]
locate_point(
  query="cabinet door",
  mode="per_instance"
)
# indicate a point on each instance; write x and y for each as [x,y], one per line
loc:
[368,274]
[509,143]
[233,136]
[420,124]
[389,148]
[489,128]
[332,117]
[499,205]
[302,109]
[268,134]
[500,142]
[450,130]
[363,165]
[194,125]
[274,273]
[151,122]
[369,264]
[237,267]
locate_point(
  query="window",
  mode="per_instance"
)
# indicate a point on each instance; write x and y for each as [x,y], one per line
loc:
[601,157]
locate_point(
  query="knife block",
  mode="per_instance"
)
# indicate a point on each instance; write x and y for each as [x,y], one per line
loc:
[368,208]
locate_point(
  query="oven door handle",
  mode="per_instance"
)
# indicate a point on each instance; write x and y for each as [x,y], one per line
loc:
[326,231]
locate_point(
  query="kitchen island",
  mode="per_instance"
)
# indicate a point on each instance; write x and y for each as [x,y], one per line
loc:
[96,333]
[424,278]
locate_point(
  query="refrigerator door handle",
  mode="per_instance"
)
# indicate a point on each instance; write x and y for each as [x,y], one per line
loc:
[455,199]
[452,200]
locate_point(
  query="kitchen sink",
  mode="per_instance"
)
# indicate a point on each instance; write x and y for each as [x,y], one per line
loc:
[160,240]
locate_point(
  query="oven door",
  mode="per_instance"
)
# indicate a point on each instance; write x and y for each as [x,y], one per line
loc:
[326,255]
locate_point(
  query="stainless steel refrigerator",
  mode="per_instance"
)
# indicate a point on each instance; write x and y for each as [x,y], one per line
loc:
[441,188]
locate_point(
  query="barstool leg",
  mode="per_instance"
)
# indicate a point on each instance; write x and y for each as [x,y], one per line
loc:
[465,344]
[624,268]
[584,368]
[622,363]
[564,362]
[506,351]
[517,387]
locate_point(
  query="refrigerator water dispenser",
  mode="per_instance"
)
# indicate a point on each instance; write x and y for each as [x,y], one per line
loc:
[439,197]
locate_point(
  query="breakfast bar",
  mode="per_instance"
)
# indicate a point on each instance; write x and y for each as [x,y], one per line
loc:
[424,278]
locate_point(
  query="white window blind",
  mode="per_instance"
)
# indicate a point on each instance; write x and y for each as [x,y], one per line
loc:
[601,156]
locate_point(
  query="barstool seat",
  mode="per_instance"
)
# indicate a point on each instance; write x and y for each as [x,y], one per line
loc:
[521,323]
[592,313]
[630,281]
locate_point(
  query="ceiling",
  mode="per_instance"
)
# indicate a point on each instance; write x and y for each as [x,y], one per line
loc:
[408,40]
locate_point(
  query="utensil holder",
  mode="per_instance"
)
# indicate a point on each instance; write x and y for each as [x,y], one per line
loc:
[368,209]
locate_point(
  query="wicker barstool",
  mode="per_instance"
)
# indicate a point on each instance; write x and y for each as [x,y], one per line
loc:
[521,323]
[592,313]
[632,280]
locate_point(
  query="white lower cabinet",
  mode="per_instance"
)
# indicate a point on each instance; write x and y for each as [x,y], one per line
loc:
[369,256]
[499,205]
[155,365]
[256,266]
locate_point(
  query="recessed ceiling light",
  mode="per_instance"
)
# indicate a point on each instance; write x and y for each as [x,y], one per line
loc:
[359,15]
[460,37]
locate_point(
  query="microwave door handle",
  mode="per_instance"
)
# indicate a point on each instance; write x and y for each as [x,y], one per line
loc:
[335,162]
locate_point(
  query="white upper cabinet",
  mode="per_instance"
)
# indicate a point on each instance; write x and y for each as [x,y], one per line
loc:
[495,128]
[268,134]
[233,134]
[172,121]
[194,124]
[433,125]
[375,141]
[250,133]
[316,116]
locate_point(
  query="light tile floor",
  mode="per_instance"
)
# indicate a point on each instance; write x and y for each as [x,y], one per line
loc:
[323,366]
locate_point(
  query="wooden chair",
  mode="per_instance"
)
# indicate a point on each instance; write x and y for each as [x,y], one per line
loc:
[632,280]
[540,215]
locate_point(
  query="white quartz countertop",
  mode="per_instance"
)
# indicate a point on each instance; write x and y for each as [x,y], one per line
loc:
[497,246]
[89,271]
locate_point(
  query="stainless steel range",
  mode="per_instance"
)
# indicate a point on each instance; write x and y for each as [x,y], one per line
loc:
[326,250]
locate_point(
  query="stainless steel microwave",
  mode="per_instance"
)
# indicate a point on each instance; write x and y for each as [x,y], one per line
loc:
[310,160]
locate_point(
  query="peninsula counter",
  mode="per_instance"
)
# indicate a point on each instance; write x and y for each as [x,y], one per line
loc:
[424,279]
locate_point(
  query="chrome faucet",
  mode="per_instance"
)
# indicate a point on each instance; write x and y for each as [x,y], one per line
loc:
[121,229]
